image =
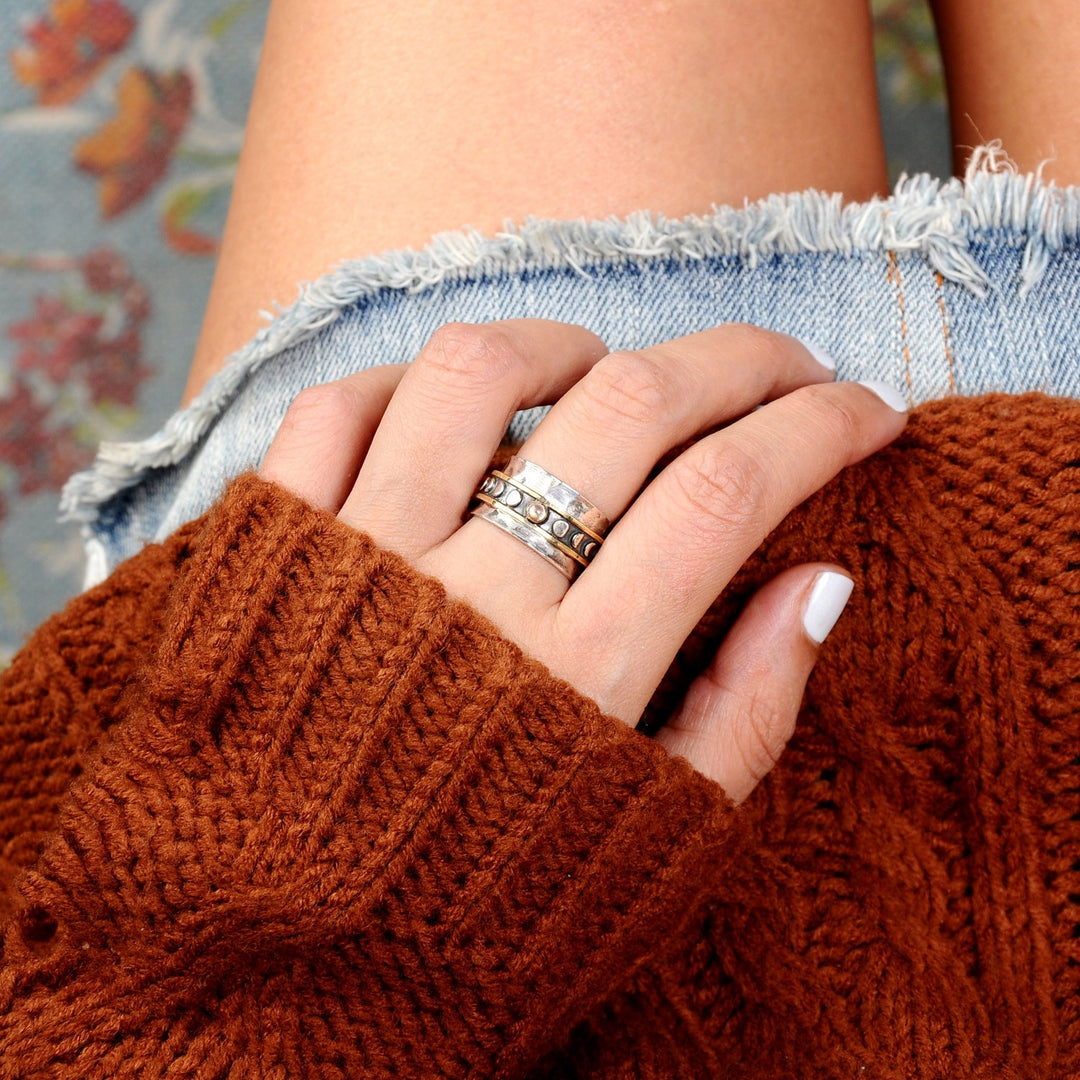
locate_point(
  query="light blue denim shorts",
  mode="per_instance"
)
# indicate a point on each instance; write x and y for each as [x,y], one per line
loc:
[945,287]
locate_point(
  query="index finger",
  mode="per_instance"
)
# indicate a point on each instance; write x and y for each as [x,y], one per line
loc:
[685,536]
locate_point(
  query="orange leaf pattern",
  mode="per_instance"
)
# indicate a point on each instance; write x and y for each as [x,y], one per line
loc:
[131,152]
[66,48]
[107,105]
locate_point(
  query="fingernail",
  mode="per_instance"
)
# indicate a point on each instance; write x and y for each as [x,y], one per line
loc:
[828,598]
[889,394]
[819,354]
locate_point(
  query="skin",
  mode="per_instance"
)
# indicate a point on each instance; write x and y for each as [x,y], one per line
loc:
[374,126]
[612,633]
[1012,75]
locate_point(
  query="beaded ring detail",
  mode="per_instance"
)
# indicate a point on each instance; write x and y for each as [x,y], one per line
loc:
[544,513]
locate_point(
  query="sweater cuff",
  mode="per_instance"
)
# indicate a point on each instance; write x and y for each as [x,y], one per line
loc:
[334,755]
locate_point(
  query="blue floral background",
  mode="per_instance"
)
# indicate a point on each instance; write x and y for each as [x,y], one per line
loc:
[120,128]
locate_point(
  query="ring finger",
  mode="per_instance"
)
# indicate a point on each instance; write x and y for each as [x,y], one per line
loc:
[447,417]
[605,436]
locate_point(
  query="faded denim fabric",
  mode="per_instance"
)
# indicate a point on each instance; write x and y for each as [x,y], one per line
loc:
[945,287]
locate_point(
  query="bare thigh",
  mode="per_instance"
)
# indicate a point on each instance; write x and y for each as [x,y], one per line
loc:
[375,125]
[1013,72]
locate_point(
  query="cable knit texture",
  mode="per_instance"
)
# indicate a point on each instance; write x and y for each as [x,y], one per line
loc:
[272,806]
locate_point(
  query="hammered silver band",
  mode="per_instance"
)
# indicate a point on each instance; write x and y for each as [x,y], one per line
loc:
[544,513]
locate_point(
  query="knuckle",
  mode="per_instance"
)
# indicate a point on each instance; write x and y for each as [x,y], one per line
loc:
[630,386]
[833,416]
[756,346]
[762,735]
[469,355]
[724,488]
[316,410]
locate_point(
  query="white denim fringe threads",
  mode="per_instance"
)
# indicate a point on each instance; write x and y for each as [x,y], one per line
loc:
[945,287]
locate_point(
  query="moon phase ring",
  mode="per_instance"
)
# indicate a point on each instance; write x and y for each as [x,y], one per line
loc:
[544,513]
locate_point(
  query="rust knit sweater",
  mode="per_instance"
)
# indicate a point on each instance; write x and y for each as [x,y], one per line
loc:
[270,806]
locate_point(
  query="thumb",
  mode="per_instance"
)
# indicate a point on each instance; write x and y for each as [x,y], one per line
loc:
[738,714]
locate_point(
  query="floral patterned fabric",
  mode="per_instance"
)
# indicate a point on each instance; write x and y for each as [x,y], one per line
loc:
[120,128]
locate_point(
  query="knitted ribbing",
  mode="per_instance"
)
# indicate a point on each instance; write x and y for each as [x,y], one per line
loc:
[59,695]
[337,826]
[330,777]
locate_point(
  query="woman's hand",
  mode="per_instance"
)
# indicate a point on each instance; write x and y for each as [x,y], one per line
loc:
[398,452]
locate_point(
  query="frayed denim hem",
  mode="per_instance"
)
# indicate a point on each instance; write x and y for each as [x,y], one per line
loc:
[954,264]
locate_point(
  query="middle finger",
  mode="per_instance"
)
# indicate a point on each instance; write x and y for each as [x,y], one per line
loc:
[606,434]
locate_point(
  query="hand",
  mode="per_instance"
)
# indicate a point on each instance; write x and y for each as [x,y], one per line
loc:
[397,452]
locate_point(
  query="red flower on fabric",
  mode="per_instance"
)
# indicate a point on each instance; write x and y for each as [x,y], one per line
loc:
[104,271]
[131,153]
[56,340]
[43,457]
[66,48]
[69,344]
[116,370]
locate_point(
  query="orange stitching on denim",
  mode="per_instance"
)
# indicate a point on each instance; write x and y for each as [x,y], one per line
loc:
[945,331]
[894,277]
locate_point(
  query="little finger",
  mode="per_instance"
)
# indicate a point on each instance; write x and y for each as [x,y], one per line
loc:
[325,434]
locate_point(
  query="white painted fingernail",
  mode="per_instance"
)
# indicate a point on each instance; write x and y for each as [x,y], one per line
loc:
[819,354]
[889,394]
[828,598]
